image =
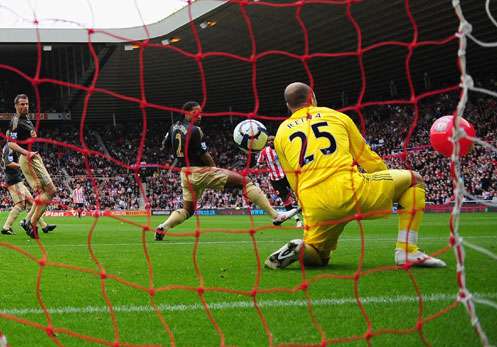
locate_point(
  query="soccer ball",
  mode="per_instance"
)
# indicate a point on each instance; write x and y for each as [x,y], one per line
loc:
[441,134]
[250,135]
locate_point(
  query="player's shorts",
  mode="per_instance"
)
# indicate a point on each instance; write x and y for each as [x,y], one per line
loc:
[201,178]
[35,172]
[329,206]
[19,193]
[282,187]
[79,205]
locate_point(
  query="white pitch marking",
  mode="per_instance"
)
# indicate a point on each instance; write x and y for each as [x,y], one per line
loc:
[485,302]
[173,243]
[247,304]
[479,249]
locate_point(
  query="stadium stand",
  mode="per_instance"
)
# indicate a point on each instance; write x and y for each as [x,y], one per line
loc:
[119,191]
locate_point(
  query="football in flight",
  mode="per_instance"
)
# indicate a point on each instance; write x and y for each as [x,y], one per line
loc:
[250,135]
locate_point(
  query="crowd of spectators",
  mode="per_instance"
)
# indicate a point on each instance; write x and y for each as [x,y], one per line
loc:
[479,167]
[387,128]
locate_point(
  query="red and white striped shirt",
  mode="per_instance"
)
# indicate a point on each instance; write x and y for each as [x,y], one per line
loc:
[78,196]
[269,156]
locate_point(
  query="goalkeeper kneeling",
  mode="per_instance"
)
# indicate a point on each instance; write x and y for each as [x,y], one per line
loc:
[319,149]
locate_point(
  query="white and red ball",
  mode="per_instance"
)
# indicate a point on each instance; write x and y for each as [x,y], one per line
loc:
[250,135]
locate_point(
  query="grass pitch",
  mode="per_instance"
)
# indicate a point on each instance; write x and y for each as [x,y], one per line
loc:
[227,268]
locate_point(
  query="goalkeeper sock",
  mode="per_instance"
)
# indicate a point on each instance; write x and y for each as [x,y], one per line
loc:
[257,196]
[412,202]
[14,212]
[175,218]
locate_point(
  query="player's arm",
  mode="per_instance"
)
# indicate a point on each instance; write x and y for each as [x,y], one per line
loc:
[360,150]
[8,159]
[13,165]
[164,141]
[15,147]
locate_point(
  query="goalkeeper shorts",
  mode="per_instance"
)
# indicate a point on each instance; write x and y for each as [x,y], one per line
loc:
[329,206]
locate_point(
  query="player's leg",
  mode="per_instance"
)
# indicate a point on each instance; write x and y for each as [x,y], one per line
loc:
[176,217]
[192,190]
[14,212]
[40,181]
[76,209]
[17,194]
[320,239]
[40,205]
[284,191]
[409,193]
[321,230]
[30,207]
[45,227]
[42,202]
[257,196]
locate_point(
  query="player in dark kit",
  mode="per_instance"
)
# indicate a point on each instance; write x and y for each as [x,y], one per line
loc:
[21,197]
[20,130]
[198,172]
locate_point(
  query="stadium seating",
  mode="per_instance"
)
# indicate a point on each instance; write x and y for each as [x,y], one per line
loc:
[117,187]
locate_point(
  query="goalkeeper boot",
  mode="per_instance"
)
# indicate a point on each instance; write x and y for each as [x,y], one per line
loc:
[285,255]
[284,216]
[417,258]
[49,228]
[8,231]
[159,233]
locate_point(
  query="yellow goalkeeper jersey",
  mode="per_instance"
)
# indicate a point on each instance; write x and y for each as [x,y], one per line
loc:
[317,143]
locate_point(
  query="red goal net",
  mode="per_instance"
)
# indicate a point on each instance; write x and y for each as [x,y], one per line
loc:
[393,68]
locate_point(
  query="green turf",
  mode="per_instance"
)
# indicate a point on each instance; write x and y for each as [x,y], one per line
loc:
[228,270]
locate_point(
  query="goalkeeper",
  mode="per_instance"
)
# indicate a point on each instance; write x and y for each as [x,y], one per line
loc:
[319,150]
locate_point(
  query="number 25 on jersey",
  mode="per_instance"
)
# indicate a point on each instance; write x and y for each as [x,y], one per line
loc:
[317,133]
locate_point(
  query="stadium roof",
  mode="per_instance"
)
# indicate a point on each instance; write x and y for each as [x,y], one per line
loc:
[113,20]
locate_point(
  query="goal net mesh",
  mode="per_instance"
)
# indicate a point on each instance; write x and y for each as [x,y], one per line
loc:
[372,116]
